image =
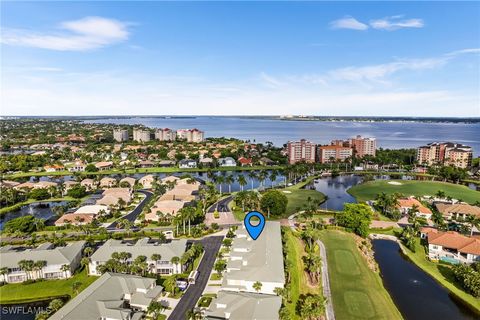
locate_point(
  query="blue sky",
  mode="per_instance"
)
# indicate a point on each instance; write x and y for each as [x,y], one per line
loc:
[322,58]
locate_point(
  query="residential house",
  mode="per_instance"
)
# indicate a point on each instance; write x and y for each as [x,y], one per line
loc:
[54,168]
[227,162]
[457,210]
[69,185]
[128,180]
[256,260]
[104,165]
[77,166]
[108,182]
[76,219]
[166,207]
[243,305]
[113,296]
[55,258]
[264,161]
[143,247]
[451,246]
[406,204]
[245,161]
[146,164]
[166,163]
[187,164]
[89,184]
[147,181]
[206,162]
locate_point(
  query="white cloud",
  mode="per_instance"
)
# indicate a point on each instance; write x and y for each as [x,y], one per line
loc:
[464,51]
[270,81]
[79,35]
[380,71]
[348,23]
[395,23]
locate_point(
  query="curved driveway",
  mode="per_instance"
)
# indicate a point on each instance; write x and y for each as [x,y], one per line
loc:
[135,212]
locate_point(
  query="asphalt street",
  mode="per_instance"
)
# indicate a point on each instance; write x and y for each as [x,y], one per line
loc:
[194,291]
[135,212]
[221,205]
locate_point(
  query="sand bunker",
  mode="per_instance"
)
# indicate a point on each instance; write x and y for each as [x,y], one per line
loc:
[395,183]
[286,191]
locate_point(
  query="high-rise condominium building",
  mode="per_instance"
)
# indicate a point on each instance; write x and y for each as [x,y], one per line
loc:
[141,135]
[364,146]
[332,153]
[164,134]
[361,146]
[446,153]
[120,135]
[191,135]
[302,150]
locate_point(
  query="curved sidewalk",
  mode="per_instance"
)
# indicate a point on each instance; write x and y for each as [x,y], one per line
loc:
[329,312]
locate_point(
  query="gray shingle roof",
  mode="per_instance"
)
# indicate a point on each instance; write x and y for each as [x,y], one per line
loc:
[10,256]
[241,306]
[143,247]
[104,298]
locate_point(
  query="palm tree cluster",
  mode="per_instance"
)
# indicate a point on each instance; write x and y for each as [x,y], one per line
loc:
[312,307]
[248,200]
[53,306]
[121,262]
[191,254]
[388,205]
[312,260]
[33,269]
[184,215]
[469,277]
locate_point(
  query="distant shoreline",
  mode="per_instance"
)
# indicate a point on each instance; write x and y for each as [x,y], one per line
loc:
[466,120]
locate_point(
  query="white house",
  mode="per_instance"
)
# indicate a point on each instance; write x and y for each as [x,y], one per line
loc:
[54,259]
[143,247]
[227,162]
[187,164]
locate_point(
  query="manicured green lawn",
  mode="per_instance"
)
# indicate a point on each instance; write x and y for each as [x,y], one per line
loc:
[18,292]
[299,283]
[297,198]
[357,291]
[442,273]
[369,190]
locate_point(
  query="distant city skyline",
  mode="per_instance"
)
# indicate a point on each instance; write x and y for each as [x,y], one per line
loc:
[251,58]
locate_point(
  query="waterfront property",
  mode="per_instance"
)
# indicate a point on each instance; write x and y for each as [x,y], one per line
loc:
[410,203]
[448,153]
[83,215]
[143,247]
[458,210]
[302,150]
[113,296]
[112,196]
[242,305]
[451,246]
[187,164]
[56,262]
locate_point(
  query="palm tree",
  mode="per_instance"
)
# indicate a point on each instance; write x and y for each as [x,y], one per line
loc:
[27,266]
[440,194]
[188,213]
[155,309]
[65,268]
[473,221]
[219,179]
[241,181]
[76,286]
[262,175]
[3,273]
[38,267]
[84,263]
[229,179]
[252,175]
[171,282]
[273,177]
[88,251]
[257,286]
[175,260]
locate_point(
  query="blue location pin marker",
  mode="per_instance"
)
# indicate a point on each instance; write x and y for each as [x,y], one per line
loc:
[254,231]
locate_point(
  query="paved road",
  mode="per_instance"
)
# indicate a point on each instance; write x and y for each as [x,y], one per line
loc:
[194,291]
[221,205]
[329,312]
[135,212]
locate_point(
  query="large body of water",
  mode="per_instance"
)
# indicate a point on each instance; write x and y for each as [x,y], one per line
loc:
[394,135]
[416,294]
